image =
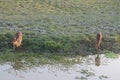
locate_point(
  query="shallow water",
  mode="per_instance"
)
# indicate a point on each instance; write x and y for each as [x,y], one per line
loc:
[107,69]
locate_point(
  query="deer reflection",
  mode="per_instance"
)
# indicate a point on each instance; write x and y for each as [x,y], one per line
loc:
[97,60]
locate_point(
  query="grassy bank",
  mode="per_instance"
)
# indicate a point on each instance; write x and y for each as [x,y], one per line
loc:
[60,26]
[78,44]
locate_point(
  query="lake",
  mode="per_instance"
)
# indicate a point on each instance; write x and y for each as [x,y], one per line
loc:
[92,67]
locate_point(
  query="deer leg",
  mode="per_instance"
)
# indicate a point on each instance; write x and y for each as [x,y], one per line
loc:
[14,47]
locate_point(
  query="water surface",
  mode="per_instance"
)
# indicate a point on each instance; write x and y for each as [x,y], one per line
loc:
[87,69]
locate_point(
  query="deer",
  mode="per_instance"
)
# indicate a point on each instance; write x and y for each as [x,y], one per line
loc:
[99,40]
[17,40]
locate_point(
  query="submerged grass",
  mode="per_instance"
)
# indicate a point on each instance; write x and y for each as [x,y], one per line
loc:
[21,60]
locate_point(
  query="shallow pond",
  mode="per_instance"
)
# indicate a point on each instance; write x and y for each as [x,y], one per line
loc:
[92,67]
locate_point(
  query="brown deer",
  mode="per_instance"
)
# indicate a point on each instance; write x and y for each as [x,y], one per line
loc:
[99,39]
[17,40]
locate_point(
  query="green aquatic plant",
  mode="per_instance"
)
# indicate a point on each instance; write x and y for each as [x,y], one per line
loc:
[110,54]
